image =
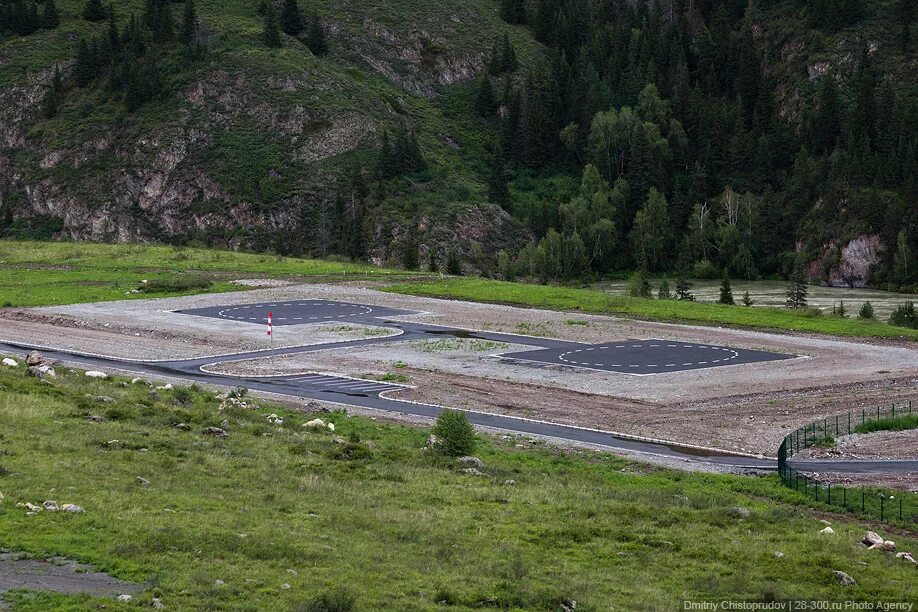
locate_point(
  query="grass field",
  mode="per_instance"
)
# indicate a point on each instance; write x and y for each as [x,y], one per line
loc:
[900,423]
[596,302]
[372,515]
[44,273]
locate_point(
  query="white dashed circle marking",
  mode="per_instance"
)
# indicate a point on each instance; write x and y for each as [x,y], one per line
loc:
[575,358]
[237,313]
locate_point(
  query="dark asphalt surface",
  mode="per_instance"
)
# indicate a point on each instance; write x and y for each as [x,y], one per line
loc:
[370,394]
[648,356]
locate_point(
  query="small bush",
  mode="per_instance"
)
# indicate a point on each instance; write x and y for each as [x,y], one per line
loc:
[337,600]
[704,269]
[866,311]
[175,284]
[905,316]
[455,434]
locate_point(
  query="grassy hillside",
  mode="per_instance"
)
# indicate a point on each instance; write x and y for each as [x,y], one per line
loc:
[283,516]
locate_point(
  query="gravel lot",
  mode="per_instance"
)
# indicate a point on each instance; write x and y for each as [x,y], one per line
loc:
[742,407]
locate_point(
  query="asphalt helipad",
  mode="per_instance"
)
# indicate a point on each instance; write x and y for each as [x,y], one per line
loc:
[644,357]
[296,312]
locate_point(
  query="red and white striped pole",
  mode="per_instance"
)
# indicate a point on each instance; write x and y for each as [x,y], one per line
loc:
[270,316]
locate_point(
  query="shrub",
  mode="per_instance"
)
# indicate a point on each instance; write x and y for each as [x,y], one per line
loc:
[337,600]
[866,311]
[175,284]
[639,284]
[455,434]
[905,316]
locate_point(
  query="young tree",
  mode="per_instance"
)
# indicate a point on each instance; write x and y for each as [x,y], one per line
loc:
[52,98]
[315,37]
[902,271]
[651,229]
[683,289]
[513,11]
[189,31]
[410,256]
[432,265]
[94,11]
[726,291]
[291,19]
[797,289]
[484,96]
[453,265]
[639,284]
[84,70]
[271,34]
[664,293]
[866,311]
[50,17]
[747,299]
[454,434]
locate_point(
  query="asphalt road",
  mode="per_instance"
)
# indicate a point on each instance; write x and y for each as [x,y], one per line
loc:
[374,394]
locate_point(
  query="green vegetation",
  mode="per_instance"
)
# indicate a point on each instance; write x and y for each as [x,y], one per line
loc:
[43,273]
[590,301]
[446,345]
[899,423]
[455,434]
[386,523]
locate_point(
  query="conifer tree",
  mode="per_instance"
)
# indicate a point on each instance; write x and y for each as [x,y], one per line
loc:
[497,183]
[726,290]
[189,31]
[453,264]
[866,311]
[432,265]
[484,96]
[315,37]
[663,293]
[747,299]
[271,33]
[94,11]
[683,289]
[797,289]
[50,17]
[291,19]
[84,70]
[52,98]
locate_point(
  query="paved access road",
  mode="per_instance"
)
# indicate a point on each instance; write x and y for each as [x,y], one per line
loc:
[327,386]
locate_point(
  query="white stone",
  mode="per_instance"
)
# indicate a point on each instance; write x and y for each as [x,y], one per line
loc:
[96,374]
[315,423]
[71,508]
[828,531]
[125,597]
[12,363]
[331,426]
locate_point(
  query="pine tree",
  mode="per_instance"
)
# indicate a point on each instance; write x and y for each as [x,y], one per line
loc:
[94,11]
[453,264]
[158,17]
[726,291]
[271,34]
[432,261]
[663,293]
[484,96]
[410,253]
[315,37]
[508,61]
[797,289]
[291,19]
[52,98]
[639,284]
[189,31]
[683,289]
[84,70]
[497,183]
[866,311]
[50,17]
[747,299]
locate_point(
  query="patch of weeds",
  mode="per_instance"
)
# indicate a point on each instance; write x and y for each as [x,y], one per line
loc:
[445,345]
[577,322]
[902,423]
[351,451]
[390,377]
[172,284]
[827,442]
[400,365]
[336,600]
[182,396]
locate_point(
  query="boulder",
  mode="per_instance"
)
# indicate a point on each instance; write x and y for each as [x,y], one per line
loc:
[843,578]
[96,374]
[740,512]
[102,399]
[431,441]
[906,556]
[96,418]
[137,381]
[331,426]
[872,538]
[71,508]
[827,531]
[474,462]
[34,358]
[214,431]
[10,363]
[41,372]
[472,472]
[888,546]
[166,387]
[315,424]
[50,506]
[142,481]
[182,426]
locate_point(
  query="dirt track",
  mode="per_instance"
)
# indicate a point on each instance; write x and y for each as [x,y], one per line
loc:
[742,407]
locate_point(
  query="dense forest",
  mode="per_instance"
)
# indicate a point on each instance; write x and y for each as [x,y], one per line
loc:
[661,136]
[687,162]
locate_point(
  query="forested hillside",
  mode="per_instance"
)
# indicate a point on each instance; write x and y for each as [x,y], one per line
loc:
[555,140]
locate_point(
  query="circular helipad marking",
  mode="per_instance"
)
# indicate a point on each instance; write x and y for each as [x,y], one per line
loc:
[237,313]
[576,357]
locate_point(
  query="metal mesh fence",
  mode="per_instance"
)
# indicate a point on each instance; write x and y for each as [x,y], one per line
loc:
[870,502]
